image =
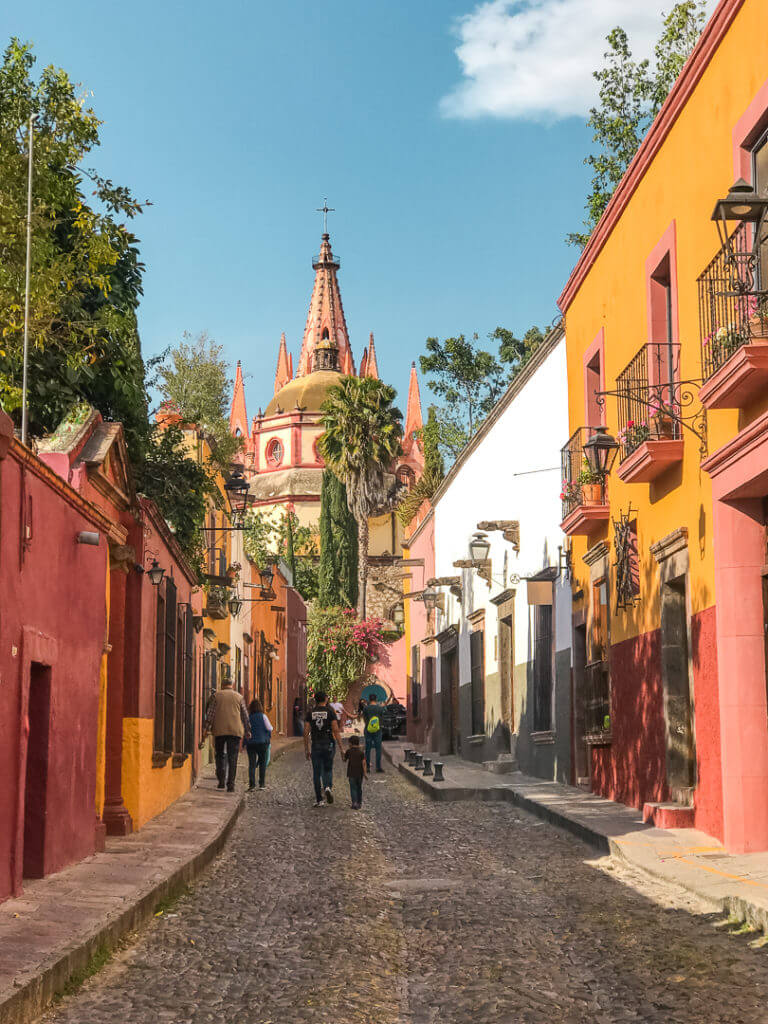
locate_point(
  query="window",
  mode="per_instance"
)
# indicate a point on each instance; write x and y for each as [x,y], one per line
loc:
[238,669]
[542,668]
[599,636]
[477,661]
[174,674]
[415,681]
[406,477]
[274,452]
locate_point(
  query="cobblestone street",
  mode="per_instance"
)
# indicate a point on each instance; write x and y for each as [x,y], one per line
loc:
[417,912]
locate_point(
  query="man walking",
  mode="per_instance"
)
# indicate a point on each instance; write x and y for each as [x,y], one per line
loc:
[372,730]
[321,729]
[227,718]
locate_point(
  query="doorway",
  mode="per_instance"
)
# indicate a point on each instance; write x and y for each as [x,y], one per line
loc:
[449,700]
[678,709]
[505,670]
[36,787]
[580,749]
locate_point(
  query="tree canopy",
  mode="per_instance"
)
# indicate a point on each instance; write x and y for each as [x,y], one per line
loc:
[361,440]
[630,96]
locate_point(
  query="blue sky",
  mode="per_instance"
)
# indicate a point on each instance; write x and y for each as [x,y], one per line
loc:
[455,175]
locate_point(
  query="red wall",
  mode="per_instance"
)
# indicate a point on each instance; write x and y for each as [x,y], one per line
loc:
[52,610]
[633,768]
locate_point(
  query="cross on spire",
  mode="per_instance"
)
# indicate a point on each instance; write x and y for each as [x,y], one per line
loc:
[325,209]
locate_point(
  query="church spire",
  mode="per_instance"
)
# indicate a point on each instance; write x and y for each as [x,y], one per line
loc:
[371,367]
[413,420]
[238,418]
[326,313]
[284,366]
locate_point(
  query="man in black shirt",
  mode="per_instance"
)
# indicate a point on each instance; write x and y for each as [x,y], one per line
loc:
[321,727]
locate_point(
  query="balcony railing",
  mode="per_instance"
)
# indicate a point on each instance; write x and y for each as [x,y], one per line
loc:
[733,305]
[574,470]
[597,699]
[647,396]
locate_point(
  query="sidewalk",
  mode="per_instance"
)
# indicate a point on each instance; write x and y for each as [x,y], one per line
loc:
[737,884]
[54,929]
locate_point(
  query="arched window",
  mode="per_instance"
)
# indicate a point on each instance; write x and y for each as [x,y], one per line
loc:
[275,452]
[406,477]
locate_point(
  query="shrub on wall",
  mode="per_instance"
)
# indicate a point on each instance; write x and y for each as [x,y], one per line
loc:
[339,648]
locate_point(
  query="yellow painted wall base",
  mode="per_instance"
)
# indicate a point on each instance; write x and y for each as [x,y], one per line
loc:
[147,791]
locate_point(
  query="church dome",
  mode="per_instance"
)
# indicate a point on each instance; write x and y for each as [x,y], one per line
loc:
[307,392]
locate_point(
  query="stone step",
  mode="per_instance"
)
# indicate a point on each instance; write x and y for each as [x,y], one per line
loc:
[668,815]
[503,764]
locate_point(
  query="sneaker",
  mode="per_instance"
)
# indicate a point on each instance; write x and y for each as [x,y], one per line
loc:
[220,786]
[251,788]
[262,786]
[230,789]
[328,795]
[319,803]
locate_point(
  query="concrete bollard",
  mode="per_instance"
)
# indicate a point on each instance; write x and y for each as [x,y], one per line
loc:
[411,757]
[439,772]
[419,762]
[428,766]
[407,755]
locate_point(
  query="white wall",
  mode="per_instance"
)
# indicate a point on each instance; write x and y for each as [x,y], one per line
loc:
[513,473]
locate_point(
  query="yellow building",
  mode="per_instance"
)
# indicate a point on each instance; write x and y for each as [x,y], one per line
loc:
[666,349]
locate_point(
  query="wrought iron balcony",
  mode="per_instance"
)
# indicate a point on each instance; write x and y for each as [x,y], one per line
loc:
[649,400]
[323,260]
[583,496]
[733,318]
[597,701]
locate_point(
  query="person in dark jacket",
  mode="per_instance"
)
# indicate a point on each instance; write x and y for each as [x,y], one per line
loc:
[258,745]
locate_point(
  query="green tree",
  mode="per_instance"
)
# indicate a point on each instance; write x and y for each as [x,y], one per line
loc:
[338,570]
[180,487]
[631,94]
[468,378]
[360,443]
[197,384]
[270,534]
[515,352]
[345,542]
[86,273]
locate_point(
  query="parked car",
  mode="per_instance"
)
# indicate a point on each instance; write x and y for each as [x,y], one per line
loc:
[393,720]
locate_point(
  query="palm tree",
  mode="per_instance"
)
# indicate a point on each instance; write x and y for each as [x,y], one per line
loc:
[360,443]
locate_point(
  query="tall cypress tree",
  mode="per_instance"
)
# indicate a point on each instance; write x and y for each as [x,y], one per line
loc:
[290,554]
[345,537]
[327,593]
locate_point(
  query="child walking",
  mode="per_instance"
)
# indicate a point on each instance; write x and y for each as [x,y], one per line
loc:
[356,769]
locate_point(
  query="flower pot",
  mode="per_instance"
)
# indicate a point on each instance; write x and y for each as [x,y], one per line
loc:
[664,426]
[592,494]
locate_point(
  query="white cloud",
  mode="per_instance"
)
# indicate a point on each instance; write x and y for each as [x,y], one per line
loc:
[534,59]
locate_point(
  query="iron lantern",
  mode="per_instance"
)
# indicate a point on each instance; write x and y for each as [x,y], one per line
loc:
[600,452]
[237,491]
[479,548]
[155,573]
[235,604]
[430,599]
[398,615]
[266,576]
[197,623]
[742,205]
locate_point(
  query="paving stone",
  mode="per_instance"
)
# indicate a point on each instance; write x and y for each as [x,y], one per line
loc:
[416,912]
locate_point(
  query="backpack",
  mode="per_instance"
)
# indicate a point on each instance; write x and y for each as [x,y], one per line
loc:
[373,724]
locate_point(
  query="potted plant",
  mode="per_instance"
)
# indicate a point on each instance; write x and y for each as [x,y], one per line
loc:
[633,435]
[758,319]
[591,483]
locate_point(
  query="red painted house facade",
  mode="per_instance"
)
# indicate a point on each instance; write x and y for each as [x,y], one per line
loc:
[54,558]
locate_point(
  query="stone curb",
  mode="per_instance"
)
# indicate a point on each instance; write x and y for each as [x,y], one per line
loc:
[447,792]
[32,994]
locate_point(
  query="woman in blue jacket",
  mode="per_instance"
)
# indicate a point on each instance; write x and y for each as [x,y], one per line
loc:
[258,745]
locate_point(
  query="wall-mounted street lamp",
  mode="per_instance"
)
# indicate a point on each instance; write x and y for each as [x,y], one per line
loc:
[197,623]
[430,599]
[398,615]
[744,206]
[479,548]
[600,451]
[155,573]
[236,488]
[266,575]
[235,605]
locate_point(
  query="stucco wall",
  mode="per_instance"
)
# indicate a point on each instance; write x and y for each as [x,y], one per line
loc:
[52,611]
[506,477]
